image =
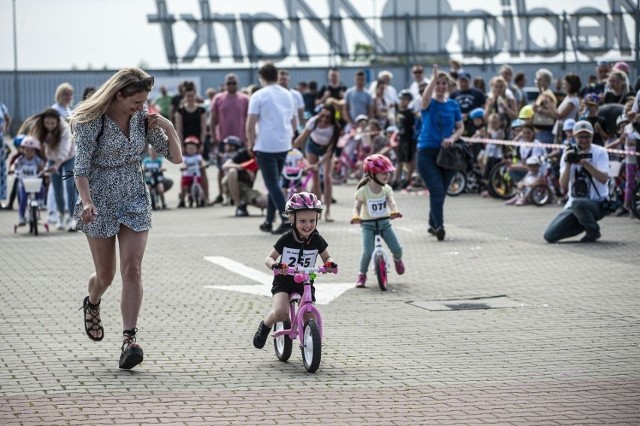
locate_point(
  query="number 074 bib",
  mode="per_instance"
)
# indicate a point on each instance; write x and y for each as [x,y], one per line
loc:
[377,207]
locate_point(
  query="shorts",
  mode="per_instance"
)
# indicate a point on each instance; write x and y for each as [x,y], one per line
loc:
[154,179]
[188,180]
[314,148]
[291,288]
[407,151]
[248,195]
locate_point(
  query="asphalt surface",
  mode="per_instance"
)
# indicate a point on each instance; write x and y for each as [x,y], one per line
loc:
[490,326]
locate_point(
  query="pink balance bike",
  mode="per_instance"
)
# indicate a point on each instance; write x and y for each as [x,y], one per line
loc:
[310,331]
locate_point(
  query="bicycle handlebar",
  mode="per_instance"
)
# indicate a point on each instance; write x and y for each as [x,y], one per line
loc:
[302,270]
[393,216]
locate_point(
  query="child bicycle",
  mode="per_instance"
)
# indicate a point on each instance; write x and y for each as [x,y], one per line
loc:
[32,186]
[305,323]
[380,257]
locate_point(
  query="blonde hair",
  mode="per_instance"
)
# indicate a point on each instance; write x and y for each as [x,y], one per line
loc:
[128,81]
[61,90]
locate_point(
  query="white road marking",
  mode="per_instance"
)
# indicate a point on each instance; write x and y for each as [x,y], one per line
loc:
[325,292]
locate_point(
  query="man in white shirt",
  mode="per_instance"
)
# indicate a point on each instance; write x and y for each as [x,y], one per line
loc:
[284,80]
[418,79]
[584,172]
[273,109]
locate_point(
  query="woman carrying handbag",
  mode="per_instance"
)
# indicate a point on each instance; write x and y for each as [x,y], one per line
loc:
[441,127]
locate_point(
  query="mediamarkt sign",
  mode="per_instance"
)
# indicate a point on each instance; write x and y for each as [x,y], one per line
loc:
[408,27]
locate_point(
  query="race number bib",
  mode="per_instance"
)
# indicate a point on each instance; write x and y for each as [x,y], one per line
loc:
[307,260]
[377,207]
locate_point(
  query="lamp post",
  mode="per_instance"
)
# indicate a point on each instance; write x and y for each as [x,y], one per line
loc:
[16,91]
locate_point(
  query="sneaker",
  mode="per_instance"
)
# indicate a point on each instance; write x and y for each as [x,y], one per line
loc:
[440,233]
[266,227]
[242,211]
[260,338]
[399,266]
[71,227]
[362,278]
[591,237]
[181,205]
[431,231]
[284,227]
[22,221]
[60,223]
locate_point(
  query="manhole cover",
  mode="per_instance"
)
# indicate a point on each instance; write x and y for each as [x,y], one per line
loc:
[469,304]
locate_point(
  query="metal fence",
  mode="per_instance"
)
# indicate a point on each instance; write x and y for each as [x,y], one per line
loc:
[29,92]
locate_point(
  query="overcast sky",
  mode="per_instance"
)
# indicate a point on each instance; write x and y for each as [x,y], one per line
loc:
[65,34]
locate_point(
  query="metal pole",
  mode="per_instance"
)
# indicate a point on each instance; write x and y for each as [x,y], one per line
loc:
[637,40]
[16,92]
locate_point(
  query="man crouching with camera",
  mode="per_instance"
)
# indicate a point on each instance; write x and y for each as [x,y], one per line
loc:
[583,172]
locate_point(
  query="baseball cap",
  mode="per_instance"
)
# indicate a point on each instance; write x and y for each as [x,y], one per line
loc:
[592,98]
[568,124]
[464,76]
[621,66]
[582,126]
[362,117]
[526,112]
[533,160]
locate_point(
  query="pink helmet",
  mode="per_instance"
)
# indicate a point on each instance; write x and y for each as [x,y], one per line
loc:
[30,142]
[192,139]
[377,163]
[303,201]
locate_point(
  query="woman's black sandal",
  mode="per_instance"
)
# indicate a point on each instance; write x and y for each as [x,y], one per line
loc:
[131,355]
[93,323]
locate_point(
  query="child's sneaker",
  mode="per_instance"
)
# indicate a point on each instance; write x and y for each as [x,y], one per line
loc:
[362,278]
[399,266]
[261,335]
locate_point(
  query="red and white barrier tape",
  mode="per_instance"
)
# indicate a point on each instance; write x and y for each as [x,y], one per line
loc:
[546,145]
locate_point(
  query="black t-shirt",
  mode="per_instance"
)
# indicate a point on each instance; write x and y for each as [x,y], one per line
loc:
[290,253]
[239,157]
[310,102]
[612,98]
[336,92]
[406,122]
[175,101]
[468,99]
[191,122]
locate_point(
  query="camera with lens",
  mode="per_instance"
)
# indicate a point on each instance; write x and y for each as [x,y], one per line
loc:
[574,155]
[580,187]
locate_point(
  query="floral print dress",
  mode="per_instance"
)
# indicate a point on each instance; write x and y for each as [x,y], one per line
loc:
[113,167]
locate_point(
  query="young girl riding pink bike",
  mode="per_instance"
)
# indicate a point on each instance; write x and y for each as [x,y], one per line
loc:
[295,252]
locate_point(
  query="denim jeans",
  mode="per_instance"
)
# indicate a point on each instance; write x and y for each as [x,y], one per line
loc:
[545,136]
[69,186]
[271,165]
[583,215]
[437,180]
[369,240]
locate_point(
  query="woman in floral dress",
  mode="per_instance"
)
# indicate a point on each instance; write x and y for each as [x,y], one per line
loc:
[111,130]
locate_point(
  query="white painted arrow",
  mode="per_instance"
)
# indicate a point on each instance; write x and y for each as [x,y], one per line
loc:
[325,292]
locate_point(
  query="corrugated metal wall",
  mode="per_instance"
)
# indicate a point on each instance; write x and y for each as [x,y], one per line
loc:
[36,89]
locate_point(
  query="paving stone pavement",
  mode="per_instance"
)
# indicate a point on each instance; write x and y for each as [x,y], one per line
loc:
[567,353]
